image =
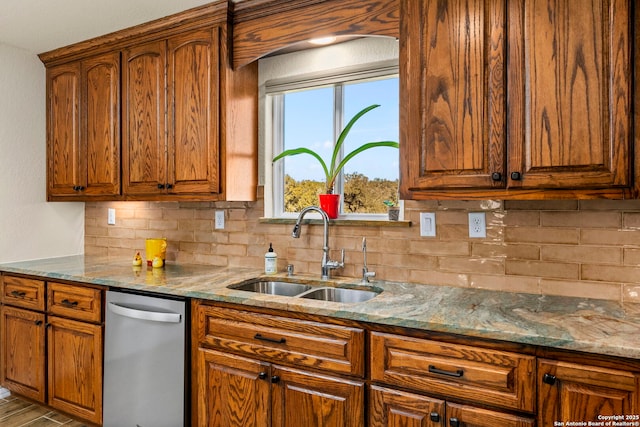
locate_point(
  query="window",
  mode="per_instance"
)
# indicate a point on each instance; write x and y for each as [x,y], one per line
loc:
[311,112]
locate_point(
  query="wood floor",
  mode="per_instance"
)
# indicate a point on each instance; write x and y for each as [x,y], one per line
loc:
[15,412]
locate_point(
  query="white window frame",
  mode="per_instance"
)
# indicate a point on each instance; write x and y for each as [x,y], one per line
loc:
[274,139]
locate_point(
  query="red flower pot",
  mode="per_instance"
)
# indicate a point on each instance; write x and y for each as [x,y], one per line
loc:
[330,203]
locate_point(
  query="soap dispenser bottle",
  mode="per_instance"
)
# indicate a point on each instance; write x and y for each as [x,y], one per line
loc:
[270,261]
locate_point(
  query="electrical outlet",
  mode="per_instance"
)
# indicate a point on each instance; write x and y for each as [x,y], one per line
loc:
[111,216]
[427,224]
[477,224]
[219,220]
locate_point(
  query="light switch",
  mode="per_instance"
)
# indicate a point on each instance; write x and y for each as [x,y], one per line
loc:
[111,216]
[427,224]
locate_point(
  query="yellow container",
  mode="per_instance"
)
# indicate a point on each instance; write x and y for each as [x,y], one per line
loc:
[156,248]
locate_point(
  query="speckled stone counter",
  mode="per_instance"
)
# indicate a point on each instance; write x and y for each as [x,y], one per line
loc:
[589,325]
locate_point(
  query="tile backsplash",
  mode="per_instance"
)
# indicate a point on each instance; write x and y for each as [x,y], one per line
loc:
[566,247]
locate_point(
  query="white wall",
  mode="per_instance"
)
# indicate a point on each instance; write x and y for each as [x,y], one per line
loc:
[30,228]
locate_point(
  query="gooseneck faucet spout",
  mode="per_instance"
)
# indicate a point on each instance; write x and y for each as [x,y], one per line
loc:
[326,265]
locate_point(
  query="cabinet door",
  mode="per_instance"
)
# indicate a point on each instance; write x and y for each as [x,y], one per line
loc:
[470,416]
[393,408]
[23,352]
[313,400]
[144,154]
[571,392]
[101,124]
[75,368]
[569,93]
[452,78]
[63,130]
[193,140]
[232,391]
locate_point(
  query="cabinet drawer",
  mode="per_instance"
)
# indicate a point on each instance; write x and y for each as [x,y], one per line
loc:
[76,302]
[21,292]
[279,339]
[483,375]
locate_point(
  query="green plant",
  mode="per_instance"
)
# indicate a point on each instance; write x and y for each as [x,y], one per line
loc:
[389,203]
[331,172]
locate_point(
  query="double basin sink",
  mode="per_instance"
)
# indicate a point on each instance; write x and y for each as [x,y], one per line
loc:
[308,290]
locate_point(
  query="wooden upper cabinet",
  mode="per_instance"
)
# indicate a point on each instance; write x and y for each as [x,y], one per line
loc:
[452,68]
[83,127]
[569,91]
[171,113]
[100,115]
[516,99]
[63,130]
[193,70]
[144,111]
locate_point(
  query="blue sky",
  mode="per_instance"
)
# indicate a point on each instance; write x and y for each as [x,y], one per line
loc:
[309,117]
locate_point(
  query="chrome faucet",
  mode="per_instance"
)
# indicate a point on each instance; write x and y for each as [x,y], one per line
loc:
[327,264]
[365,270]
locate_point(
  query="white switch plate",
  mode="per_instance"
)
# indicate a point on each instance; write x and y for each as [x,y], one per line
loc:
[427,224]
[477,225]
[219,220]
[111,216]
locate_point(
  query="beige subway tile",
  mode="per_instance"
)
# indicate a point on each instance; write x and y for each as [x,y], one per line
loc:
[542,269]
[455,217]
[582,219]
[96,231]
[541,235]
[195,205]
[175,236]
[209,237]
[631,256]
[218,260]
[502,250]
[542,205]
[610,205]
[471,265]
[430,277]
[132,222]
[610,273]
[610,237]
[470,205]
[125,233]
[202,248]
[434,247]
[391,273]
[581,288]
[452,232]
[631,220]
[163,224]
[230,250]
[178,214]
[583,254]
[95,250]
[408,261]
[148,213]
[631,293]
[195,225]
[522,218]
[528,285]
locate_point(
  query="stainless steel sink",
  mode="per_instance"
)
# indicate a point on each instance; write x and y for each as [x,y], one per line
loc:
[340,295]
[289,289]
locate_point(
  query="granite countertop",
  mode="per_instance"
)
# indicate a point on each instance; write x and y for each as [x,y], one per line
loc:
[589,325]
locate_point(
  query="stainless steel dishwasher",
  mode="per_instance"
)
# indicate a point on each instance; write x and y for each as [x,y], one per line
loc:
[144,361]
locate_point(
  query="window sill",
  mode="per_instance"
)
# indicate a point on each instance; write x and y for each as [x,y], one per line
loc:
[340,222]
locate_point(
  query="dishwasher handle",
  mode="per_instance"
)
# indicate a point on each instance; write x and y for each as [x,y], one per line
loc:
[137,313]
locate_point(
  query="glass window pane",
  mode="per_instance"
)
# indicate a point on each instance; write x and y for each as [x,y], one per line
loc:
[308,122]
[372,176]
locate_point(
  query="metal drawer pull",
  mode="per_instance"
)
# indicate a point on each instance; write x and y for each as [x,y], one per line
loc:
[458,373]
[454,422]
[18,294]
[273,340]
[69,303]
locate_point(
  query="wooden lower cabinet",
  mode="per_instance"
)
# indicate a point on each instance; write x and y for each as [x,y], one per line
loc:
[394,408]
[75,367]
[308,399]
[577,392]
[234,391]
[22,341]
